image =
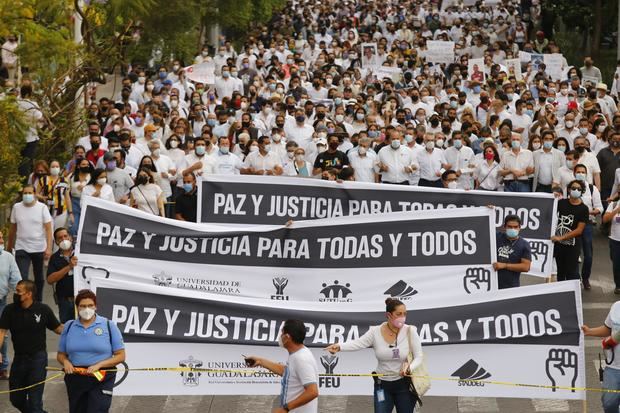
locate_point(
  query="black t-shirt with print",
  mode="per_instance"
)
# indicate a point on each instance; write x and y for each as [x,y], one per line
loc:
[569,217]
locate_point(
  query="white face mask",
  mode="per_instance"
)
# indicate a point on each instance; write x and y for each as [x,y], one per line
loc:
[276,137]
[440,143]
[156,152]
[101,181]
[280,342]
[299,157]
[65,244]
[253,148]
[87,313]
[452,185]
[174,144]
[55,171]
[116,128]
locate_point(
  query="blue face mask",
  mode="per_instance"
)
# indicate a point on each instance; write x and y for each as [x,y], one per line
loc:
[224,150]
[373,134]
[337,101]
[548,144]
[163,75]
[512,233]
[28,198]
[575,193]
[476,89]
[516,144]
[200,150]
[211,122]
[188,187]
[530,113]
[300,119]
[458,144]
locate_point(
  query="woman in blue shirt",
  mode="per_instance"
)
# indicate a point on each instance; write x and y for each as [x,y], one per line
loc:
[87,345]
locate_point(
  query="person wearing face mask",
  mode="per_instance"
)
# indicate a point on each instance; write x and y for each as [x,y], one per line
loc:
[331,158]
[27,319]
[299,166]
[118,178]
[572,217]
[9,277]
[431,162]
[588,159]
[30,236]
[609,162]
[297,130]
[225,85]
[96,151]
[569,132]
[263,161]
[198,161]
[98,187]
[592,199]
[461,157]
[449,179]
[60,274]
[53,191]
[94,131]
[547,164]
[516,165]
[226,162]
[392,342]
[300,389]
[90,344]
[395,162]
[514,255]
[363,161]
[146,195]
[186,205]
[612,218]
[278,143]
[486,174]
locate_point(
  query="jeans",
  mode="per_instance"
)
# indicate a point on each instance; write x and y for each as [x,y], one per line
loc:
[88,395]
[611,381]
[27,370]
[77,211]
[586,247]
[567,261]
[4,366]
[430,184]
[24,259]
[544,188]
[66,310]
[28,155]
[517,186]
[397,395]
[614,253]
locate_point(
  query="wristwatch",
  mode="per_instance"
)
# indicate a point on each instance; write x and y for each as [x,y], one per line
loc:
[285,407]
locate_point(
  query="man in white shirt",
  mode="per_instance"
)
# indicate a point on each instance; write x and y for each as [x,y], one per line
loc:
[521,122]
[30,236]
[547,164]
[93,131]
[9,57]
[300,376]
[589,160]
[165,168]
[226,162]
[363,162]
[34,119]
[299,131]
[395,161]
[515,166]
[263,161]
[461,159]
[569,131]
[225,85]
[432,162]
[198,162]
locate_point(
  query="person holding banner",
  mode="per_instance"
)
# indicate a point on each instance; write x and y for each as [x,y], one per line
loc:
[392,342]
[89,346]
[514,255]
[300,376]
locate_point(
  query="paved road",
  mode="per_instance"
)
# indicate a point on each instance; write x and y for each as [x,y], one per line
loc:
[596,304]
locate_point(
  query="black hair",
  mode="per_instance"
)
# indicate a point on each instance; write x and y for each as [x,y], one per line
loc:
[512,218]
[94,175]
[59,229]
[296,329]
[391,304]
[444,175]
[581,185]
[30,286]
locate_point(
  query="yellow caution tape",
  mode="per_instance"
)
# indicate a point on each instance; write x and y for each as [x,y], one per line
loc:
[54,377]
[432,378]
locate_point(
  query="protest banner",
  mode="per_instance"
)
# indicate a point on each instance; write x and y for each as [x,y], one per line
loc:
[267,200]
[438,51]
[475,70]
[555,65]
[465,339]
[201,73]
[346,259]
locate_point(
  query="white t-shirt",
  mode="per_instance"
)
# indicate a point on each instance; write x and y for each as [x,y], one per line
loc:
[616,363]
[301,371]
[145,197]
[30,220]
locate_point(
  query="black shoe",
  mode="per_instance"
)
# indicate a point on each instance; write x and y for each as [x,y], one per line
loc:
[4,375]
[586,285]
[617,291]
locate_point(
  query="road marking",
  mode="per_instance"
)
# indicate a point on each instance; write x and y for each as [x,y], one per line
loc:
[335,404]
[597,306]
[174,404]
[477,405]
[251,404]
[550,405]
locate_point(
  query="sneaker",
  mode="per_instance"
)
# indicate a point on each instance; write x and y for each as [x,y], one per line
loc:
[4,375]
[617,291]
[586,285]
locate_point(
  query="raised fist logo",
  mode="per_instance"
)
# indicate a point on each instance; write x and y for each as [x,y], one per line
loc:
[562,368]
[540,248]
[477,279]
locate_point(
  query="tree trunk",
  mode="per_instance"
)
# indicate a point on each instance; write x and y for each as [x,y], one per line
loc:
[598,27]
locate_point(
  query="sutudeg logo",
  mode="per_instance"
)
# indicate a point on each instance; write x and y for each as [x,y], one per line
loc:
[280,283]
[335,293]
[329,363]
[162,279]
[469,372]
[190,378]
[401,290]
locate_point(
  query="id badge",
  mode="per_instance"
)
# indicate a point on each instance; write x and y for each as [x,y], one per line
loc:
[380,395]
[396,353]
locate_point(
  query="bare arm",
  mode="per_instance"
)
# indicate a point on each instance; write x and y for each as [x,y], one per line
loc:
[310,393]
[600,331]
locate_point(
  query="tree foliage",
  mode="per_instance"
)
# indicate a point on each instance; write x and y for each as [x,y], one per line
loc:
[12,140]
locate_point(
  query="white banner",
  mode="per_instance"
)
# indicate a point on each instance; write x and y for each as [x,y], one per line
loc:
[514,68]
[348,259]
[256,200]
[201,73]
[439,51]
[555,65]
[528,335]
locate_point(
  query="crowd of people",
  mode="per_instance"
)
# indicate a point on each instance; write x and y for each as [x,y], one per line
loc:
[339,90]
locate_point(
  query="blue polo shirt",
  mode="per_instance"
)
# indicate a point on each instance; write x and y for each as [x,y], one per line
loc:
[88,346]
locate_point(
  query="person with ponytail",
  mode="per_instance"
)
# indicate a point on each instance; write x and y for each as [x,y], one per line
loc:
[391,343]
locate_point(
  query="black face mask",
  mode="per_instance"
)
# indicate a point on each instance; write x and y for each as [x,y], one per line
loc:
[148,167]
[445,130]
[434,123]
[320,116]
[580,149]
[280,125]
[95,146]
[17,299]
[245,124]
[93,133]
[85,169]
[415,98]
[142,180]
